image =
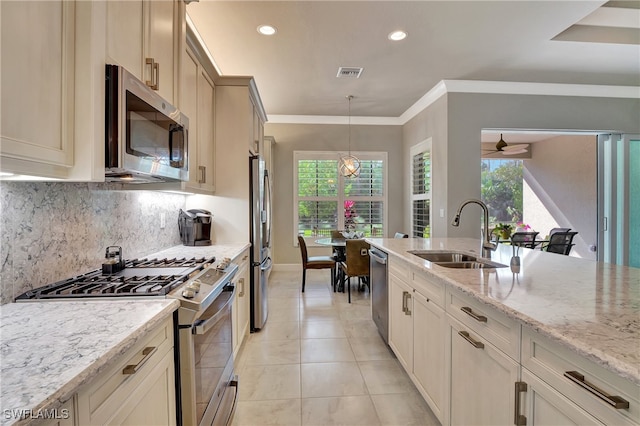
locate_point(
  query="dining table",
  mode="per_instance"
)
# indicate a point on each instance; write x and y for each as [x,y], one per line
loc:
[340,246]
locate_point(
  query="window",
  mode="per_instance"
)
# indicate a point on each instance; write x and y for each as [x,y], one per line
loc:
[502,190]
[421,189]
[324,200]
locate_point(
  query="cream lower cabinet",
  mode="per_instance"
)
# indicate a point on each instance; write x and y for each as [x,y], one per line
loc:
[540,404]
[482,379]
[138,389]
[242,304]
[417,331]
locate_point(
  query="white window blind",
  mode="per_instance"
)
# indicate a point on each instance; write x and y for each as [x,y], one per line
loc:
[421,189]
[325,200]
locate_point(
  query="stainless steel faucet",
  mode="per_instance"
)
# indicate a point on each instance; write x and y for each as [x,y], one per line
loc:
[487,245]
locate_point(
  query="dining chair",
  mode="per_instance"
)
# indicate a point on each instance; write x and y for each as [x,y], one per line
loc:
[400,235]
[356,264]
[524,239]
[315,262]
[561,242]
[551,232]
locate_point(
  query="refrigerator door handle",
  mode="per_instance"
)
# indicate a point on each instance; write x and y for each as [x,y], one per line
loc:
[268,263]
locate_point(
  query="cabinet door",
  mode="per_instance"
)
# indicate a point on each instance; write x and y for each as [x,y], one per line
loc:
[206,146]
[189,106]
[543,405]
[242,303]
[482,380]
[429,327]
[161,33]
[401,321]
[37,110]
[125,34]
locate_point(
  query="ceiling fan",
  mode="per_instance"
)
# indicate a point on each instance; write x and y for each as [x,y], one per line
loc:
[507,149]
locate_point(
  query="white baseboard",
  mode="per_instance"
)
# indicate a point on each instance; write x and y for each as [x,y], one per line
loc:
[287,267]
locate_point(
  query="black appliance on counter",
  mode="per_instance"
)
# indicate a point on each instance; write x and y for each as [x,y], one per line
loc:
[195,227]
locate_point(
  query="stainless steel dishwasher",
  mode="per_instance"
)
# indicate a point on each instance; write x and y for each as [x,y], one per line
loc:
[379,291]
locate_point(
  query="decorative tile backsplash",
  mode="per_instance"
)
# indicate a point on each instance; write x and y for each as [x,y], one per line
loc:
[52,231]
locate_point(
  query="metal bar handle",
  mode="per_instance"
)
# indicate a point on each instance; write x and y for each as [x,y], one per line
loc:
[467,310]
[405,302]
[476,344]
[377,258]
[203,174]
[151,83]
[133,368]
[202,326]
[241,283]
[519,419]
[615,401]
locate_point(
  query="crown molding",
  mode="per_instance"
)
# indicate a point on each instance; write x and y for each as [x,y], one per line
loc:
[470,86]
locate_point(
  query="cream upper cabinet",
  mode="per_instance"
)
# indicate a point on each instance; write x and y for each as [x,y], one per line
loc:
[197,101]
[147,38]
[52,119]
[37,81]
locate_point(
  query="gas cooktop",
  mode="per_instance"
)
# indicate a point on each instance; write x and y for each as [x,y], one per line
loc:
[140,277]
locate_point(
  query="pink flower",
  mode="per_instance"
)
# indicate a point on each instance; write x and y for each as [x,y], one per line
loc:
[348,204]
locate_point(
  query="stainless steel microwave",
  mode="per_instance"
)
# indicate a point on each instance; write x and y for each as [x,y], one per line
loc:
[146,137]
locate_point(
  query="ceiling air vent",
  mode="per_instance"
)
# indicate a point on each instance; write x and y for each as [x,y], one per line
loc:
[349,72]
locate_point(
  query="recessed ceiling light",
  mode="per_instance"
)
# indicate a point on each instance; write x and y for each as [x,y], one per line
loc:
[267,30]
[397,35]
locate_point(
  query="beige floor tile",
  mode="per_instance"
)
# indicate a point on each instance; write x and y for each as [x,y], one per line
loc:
[325,350]
[269,352]
[330,329]
[276,292]
[360,328]
[404,409]
[370,348]
[332,379]
[319,314]
[278,412]
[263,382]
[346,410]
[385,377]
[278,331]
[284,314]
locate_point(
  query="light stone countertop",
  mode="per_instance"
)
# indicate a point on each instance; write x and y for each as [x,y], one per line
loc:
[590,307]
[49,349]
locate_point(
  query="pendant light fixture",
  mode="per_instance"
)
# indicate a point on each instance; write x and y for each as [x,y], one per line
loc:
[349,164]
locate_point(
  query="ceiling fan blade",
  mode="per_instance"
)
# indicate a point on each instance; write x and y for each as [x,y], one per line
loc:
[515,151]
[516,147]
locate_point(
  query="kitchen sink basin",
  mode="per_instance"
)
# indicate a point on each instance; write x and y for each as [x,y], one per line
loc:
[443,256]
[470,265]
[452,259]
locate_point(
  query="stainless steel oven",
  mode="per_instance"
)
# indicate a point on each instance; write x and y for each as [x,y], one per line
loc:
[208,383]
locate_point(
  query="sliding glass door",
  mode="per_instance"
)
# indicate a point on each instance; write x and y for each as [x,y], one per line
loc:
[619,199]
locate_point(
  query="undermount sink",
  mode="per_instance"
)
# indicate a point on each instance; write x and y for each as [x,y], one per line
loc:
[451,259]
[443,256]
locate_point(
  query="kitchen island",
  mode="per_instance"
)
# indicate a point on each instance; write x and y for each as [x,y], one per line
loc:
[566,308]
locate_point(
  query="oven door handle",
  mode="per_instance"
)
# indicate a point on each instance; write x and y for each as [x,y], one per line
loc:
[202,326]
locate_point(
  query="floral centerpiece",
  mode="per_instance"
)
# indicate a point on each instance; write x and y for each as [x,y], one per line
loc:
[349,215]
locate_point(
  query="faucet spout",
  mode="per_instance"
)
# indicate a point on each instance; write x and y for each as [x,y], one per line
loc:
[487,245]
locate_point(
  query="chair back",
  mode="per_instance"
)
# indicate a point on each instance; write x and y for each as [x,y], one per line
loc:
[561,242]
[524,239]
[357,258]
[554,230]
[336,233]
[400,235]
[303,250]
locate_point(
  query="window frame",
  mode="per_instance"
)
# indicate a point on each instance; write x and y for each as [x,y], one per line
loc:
[419,148]
[340,198]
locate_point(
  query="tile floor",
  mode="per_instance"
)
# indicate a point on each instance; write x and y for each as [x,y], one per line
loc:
[321,361]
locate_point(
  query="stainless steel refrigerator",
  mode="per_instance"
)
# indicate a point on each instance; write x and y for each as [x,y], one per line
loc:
[260,240]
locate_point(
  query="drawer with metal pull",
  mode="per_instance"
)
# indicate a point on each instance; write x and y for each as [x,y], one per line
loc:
[112,387]
[607,396]
[497,328]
